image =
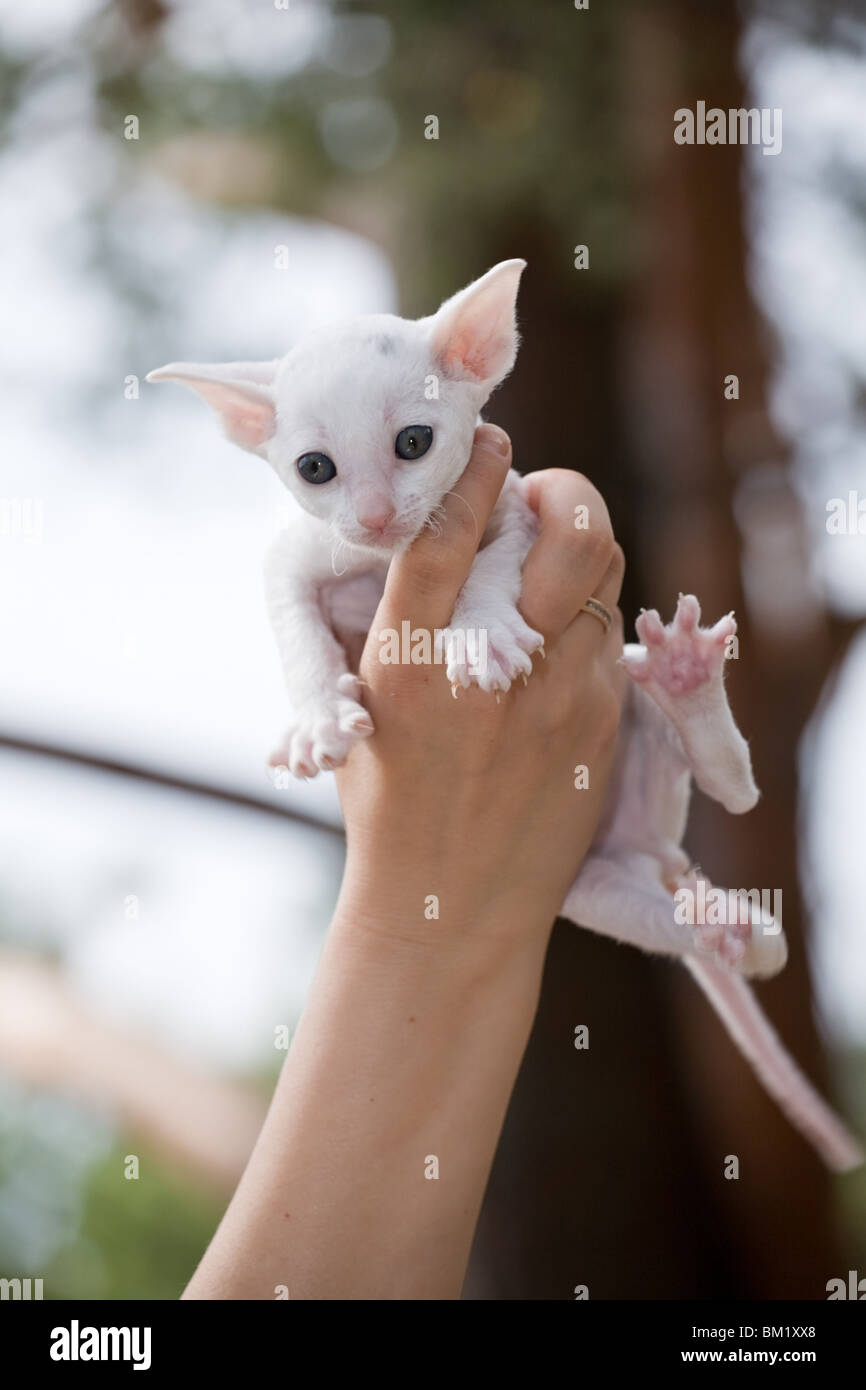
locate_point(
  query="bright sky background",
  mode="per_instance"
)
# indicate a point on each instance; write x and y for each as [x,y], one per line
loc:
[135,624]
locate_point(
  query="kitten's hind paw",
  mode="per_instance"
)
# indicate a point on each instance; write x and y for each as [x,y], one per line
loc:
[741,934]
[679,659]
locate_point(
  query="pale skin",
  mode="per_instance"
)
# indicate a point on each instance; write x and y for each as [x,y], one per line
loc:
[415,1025]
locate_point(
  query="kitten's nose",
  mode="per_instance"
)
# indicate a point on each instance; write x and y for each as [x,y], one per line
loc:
[376,520]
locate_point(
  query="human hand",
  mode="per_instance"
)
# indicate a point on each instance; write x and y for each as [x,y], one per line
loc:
[471,802]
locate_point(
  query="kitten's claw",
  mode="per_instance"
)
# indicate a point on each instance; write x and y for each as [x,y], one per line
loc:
[454,688]
[494,663]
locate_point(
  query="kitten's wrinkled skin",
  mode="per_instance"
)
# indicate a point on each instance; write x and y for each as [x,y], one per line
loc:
[345,394]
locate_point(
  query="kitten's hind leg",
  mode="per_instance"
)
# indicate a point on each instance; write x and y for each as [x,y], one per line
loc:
[618,897]
[622,896]
[681,668]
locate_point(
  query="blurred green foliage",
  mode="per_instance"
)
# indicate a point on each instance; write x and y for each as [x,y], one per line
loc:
[529,103]
[139,1238]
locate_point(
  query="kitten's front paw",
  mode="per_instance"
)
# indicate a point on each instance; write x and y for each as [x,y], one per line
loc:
[323,732]
[490,650]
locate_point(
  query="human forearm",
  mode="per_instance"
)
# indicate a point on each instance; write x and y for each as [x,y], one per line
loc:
[407,1053]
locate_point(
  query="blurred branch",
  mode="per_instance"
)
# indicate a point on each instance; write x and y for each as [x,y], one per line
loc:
[170,780]
[52,1040]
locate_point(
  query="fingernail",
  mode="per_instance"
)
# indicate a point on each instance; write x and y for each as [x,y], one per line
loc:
[492,437]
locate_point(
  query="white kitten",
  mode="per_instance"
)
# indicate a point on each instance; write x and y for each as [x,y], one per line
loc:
[369,426]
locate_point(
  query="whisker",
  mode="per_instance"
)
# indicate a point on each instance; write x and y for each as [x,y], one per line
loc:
[435,519]
[335,554]
[451,493]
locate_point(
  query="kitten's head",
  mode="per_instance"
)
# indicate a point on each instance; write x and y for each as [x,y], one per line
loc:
[370,424]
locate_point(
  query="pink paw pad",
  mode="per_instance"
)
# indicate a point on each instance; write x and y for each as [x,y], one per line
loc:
[727,940]
[682,656]
[727,943]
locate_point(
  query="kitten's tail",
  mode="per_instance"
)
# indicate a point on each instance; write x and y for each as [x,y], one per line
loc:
[750,1029]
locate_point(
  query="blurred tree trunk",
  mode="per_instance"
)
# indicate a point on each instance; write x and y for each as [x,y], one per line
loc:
[610,1169]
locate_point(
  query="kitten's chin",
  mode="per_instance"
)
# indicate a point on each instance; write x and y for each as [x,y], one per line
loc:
[391,543]
[382,546]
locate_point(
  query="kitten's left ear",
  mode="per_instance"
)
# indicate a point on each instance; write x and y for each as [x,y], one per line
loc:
[240,393]
[475,332]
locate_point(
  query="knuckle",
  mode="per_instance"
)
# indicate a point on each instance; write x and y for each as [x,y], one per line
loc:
[590,535]
[572,479]
[596,548]
[591,553]
[587,493]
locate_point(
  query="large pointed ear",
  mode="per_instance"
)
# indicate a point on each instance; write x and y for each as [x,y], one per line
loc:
[475,332]
[240,393]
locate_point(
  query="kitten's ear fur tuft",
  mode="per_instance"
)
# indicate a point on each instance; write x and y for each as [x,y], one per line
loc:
[240,393]
[475,332]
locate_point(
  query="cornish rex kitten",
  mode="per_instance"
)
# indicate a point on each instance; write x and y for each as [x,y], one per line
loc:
[368,426]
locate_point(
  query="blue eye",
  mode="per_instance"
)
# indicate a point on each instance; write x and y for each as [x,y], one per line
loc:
[316,468]
[413,441]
